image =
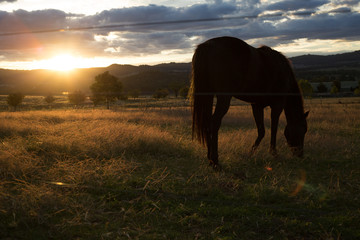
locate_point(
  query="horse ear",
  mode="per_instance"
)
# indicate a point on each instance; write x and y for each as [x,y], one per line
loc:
[306,114]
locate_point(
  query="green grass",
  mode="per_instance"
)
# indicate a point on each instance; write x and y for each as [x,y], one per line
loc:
[135,173]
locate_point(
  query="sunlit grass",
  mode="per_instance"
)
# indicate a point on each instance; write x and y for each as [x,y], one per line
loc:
[135,173]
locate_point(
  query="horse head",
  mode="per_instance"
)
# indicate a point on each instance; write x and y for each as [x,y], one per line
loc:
[295,135]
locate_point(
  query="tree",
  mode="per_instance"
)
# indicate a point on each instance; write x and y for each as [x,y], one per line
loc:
[357,91]
[175,87]
[305,87]
[184,92]
[106,88]
[96,99]
[15,99]
[321,88]
[161,93]
[334,90]
[337,85]
[76,97]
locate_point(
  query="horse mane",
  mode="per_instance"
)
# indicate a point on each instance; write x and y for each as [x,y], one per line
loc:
[266,48]
[295,102]
[270,52]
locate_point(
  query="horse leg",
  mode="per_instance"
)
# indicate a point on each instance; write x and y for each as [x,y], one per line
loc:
[275,114]
[222,106]
[258,113]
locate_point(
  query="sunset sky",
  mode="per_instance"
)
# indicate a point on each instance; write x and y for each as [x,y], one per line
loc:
[120,33]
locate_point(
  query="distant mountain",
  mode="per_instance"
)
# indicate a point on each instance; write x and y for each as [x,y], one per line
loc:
[316,68]
[46,81]
[168,75]
[144,78]
[351,59]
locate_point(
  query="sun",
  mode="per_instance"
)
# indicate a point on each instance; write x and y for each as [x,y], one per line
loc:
[67,62]
[64,62]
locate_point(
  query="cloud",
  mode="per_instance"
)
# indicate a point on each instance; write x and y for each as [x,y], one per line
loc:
[272,24]
[296,5]
[155,13]
[139,40]
[348,3]
[22,20]
[341,10]
[303,13]
[324,26]
[1,1]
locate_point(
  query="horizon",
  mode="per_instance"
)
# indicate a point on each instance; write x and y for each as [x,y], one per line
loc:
[159,63]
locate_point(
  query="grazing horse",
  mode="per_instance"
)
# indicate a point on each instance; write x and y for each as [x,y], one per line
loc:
[228,67]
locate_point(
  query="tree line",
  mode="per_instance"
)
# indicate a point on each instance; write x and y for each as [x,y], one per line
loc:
[106,89]
[307,89]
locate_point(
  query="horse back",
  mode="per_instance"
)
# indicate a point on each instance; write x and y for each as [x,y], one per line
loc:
[250,74]
[223,60]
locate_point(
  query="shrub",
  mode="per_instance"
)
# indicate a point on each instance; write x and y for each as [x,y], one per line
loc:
[49,99]
[76,98]
[184,92]
[15,99]
[161,93]
[305,87]
[357,91]
[334,90]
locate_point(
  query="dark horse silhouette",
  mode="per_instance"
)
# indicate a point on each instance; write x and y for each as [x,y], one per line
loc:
[228,67]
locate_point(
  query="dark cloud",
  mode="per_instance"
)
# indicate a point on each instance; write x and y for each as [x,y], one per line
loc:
[155,13]
[1,1]
[341,10]
[325,26]
[348,3]
[22,20]
[296,5]
[303,13]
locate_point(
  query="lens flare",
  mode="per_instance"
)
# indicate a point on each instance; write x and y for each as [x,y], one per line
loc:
[300,183]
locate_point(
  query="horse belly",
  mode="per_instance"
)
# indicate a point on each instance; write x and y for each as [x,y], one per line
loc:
[228,73]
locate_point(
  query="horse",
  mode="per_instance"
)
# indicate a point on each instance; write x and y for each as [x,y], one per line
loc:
[227,67]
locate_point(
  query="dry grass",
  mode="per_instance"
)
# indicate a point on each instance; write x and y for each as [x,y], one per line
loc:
[135,174]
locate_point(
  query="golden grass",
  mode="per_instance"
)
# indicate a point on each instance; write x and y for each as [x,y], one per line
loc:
[128,173]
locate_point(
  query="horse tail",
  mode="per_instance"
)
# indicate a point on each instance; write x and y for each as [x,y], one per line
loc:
[201,97]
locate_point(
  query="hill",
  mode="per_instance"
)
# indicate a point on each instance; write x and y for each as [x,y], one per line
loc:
[351,59]
[316,68]
[144,78]
[343,67]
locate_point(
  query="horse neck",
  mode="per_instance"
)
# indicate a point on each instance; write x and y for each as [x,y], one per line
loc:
[294,107]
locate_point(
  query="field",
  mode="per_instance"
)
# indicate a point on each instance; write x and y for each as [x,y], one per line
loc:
[134,173]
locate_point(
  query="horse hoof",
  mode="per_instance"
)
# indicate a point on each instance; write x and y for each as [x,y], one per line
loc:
[216,166]
[251,152]
[253,149]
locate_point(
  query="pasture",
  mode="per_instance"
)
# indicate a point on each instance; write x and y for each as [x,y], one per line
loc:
[135,173]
